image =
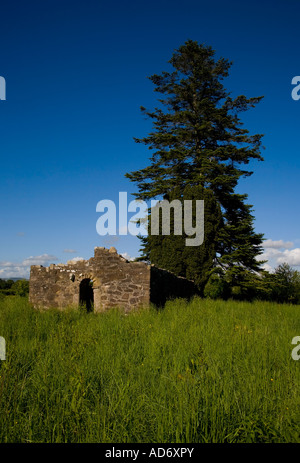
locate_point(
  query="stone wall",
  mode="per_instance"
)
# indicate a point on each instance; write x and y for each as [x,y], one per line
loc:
[164,286]
[115,282]
[107,278]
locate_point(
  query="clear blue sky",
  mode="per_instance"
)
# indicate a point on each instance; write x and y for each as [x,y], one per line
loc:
[76,75]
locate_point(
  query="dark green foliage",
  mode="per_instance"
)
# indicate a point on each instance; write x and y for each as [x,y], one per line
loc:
[11,287]
[21,287]
[282,286]
[198,141]
[217,287]
[286,284]
[170,251]
[6,284]
[6,288]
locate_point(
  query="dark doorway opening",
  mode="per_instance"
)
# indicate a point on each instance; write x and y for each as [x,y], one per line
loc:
[86,294]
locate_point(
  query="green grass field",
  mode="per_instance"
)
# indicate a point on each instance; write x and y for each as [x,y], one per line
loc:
[207,371]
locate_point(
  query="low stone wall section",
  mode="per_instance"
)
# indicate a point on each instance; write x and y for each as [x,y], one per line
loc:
[116,282]
[164,285]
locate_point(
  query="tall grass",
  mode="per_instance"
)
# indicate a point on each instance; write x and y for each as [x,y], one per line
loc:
[204,371]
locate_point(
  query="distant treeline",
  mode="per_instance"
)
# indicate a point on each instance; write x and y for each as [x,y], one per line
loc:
[282,286]
[14,288]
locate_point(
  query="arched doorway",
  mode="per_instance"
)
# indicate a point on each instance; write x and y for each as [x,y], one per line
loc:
[86,294]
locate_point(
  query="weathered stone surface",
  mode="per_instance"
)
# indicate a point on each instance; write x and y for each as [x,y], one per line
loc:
[165,285]
[115,282]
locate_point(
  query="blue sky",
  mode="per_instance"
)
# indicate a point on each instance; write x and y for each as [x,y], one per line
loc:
[76,76]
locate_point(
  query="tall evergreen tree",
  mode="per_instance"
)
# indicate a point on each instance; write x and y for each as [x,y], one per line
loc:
[199,142]
[171,252]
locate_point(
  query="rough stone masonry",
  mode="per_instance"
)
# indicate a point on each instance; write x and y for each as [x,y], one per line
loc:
[104,281]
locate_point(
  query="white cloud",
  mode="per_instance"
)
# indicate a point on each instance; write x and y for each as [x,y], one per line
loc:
[44,260]
[14,272]
[278,244]
[279,252]
[22,269]
[70,251]
[127,256]
[292,257]
[267,267]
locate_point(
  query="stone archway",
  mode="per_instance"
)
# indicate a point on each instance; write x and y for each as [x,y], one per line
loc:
[86,294]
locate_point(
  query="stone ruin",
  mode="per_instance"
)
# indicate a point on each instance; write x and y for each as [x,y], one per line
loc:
[104,281]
